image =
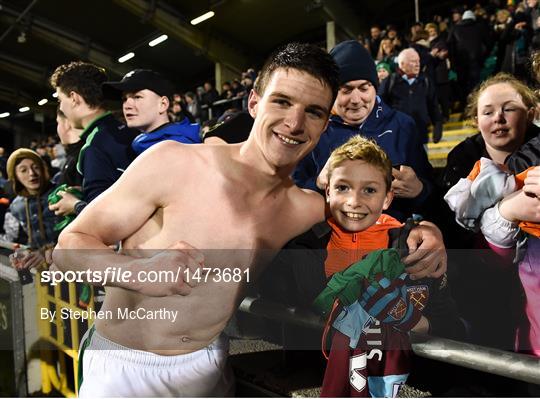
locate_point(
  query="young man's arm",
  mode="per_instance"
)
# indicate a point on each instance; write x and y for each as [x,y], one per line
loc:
[296,275]
[117,214]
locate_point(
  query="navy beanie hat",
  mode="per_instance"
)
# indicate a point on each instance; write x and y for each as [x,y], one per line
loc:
[354,62]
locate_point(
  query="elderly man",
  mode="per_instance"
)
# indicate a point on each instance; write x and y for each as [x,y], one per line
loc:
[237,200]
[413,93]
[359,111]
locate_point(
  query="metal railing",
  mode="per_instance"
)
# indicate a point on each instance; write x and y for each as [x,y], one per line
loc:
[490,360]
[221,103]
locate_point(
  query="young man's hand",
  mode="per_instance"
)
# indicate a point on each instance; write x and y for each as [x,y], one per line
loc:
[177,267]
[427,254]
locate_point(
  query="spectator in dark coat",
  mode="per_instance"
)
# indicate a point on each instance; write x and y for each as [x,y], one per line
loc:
[515,40]
[397,41]
[501,103]
[374,41]
[413,93]
[469,46]
[236,87]
[193,106]
[210,94]
[226,91]
[433,34]
[439,52]
[503,19]
[421,44]
[533,13]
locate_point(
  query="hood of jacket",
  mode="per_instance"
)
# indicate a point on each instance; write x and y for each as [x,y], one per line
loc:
[374,123]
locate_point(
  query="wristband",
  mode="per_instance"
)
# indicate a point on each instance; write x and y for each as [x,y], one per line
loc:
[79,206]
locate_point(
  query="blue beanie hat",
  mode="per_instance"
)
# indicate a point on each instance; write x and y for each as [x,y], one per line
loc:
[354,62]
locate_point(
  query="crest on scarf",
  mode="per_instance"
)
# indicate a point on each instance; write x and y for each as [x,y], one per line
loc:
[399,310]
[418,296]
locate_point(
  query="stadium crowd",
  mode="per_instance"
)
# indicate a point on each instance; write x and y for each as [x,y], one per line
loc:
[393,88]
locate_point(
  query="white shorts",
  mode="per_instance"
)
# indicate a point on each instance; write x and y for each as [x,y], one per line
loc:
[113,370]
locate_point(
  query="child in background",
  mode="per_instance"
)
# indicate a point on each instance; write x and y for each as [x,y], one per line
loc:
[383,71]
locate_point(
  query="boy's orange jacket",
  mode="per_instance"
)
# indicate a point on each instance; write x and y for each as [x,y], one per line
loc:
[345,247]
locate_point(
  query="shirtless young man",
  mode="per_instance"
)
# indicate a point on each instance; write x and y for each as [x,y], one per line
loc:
[238,199]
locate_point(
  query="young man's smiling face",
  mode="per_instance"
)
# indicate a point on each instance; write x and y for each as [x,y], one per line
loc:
[357,195]
[289,116]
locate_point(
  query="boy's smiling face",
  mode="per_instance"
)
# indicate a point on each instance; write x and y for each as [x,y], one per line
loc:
[357,195]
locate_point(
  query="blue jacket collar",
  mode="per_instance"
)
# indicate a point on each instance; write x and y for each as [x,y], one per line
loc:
[377,116]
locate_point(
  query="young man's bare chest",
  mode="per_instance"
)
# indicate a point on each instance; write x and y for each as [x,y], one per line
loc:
[214,218]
